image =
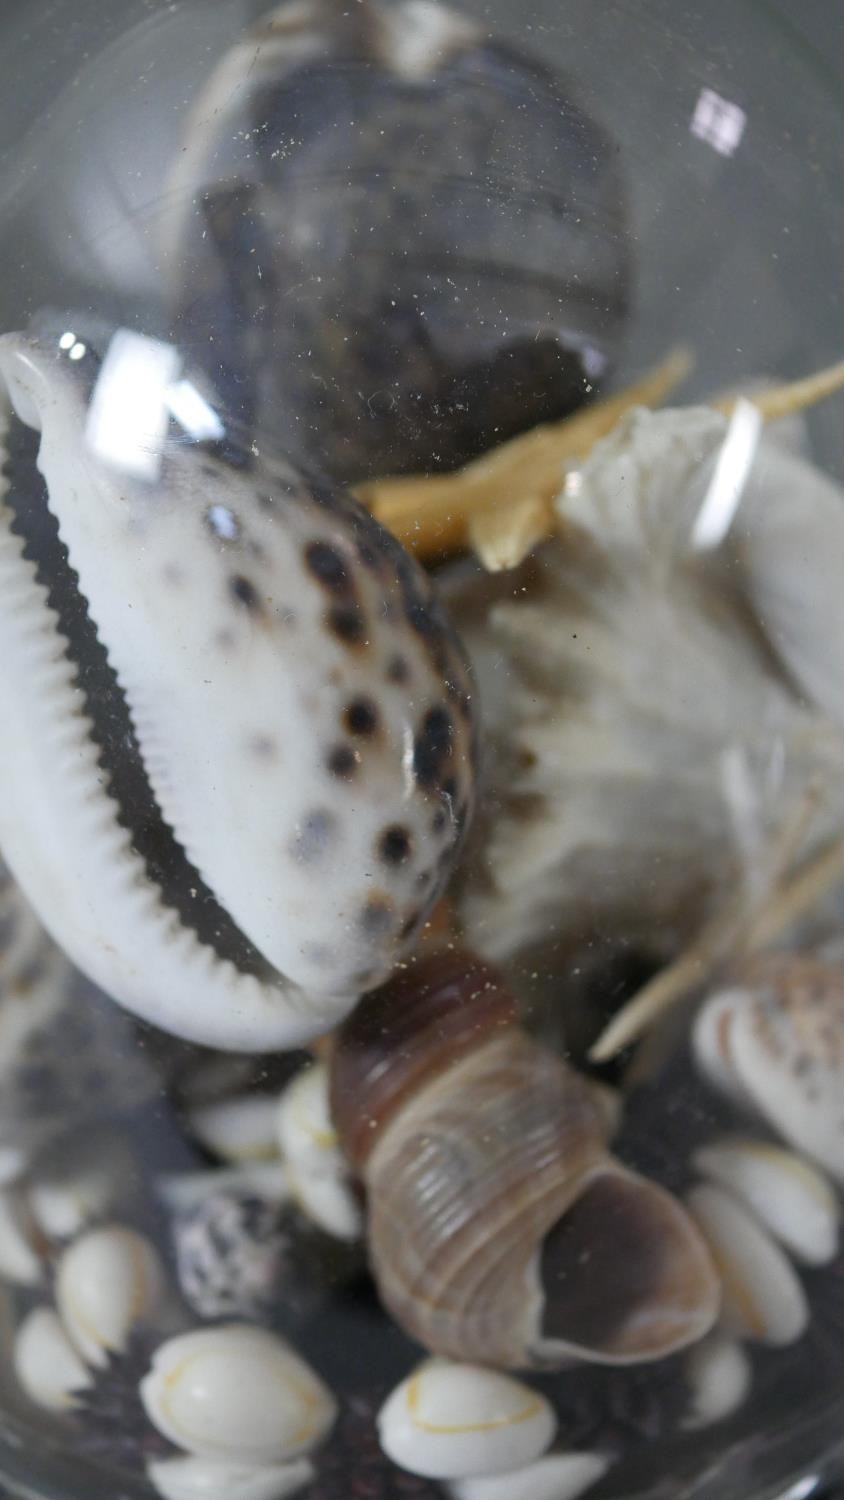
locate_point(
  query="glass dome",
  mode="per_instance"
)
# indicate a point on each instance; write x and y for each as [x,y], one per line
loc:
[422,817]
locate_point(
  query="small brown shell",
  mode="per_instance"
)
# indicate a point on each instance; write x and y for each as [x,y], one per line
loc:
[500,1229]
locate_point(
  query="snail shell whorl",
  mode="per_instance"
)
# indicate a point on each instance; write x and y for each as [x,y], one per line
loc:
[426,1019]
[500,1229]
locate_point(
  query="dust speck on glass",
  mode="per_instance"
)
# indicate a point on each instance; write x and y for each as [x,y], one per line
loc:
[421,792]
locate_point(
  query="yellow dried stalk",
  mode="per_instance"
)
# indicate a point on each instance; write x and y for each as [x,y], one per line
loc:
[430,515]
[502,503]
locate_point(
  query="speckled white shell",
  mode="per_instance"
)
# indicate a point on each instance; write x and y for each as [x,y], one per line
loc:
[237,1393]
[303,712]
[776,1044]
[449,1420]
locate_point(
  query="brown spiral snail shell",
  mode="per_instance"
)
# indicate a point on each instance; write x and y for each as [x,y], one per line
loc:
[500,1228]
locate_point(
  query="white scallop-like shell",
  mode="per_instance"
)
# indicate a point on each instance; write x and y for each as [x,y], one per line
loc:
[211,1479]
[453,1421]
[718,1373]
[792,1199]
[777,1044]
[45,1361]
[107,1280]
[239,1129]
[763,1298]
[236,1393]
[20,1260]
[558,1476]
[318,1172]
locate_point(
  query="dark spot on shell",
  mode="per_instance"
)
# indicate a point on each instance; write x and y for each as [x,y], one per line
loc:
[450,787]
[172,573]
[394,845]
[397,669]
[263,746]
[422,620]
[439,821]
[343,762]
[245,593]
[433,746]
[327,566]
[424,878]
[369,556]
[376,919]
[361,717]
[409,924]
[225,638]
[347,622]
[316,834]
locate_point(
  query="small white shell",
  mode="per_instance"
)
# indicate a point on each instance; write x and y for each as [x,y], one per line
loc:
[303,1118]
[107,1281]
[455,1421]
[791,1198]
[212,1479]
[240,1129]
[180,1191]
[763,1298]
[329,1201]
[45,1361]
[237,1393]
[558,1476]
[20,1261]
[718,1373]
[318,1172]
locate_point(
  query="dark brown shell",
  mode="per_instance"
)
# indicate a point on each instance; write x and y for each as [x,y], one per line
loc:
[403,1035]
[407,244]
